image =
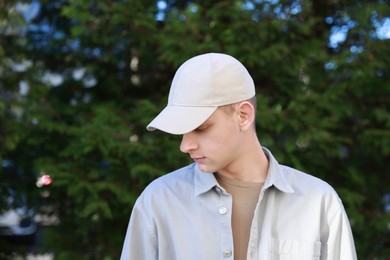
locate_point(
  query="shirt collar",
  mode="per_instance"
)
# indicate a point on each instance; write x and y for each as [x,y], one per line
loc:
[205,181]
[275,176]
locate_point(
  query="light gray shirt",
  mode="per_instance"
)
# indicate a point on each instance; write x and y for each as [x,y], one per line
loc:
[186,215]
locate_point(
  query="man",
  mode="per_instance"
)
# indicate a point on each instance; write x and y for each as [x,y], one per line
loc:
[235,201]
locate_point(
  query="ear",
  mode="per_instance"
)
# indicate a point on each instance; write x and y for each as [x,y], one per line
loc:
[246,115]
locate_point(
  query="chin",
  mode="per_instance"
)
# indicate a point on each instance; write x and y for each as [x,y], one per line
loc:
[207,168]
[204,168]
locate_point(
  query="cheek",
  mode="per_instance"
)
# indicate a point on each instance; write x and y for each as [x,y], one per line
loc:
[225,142]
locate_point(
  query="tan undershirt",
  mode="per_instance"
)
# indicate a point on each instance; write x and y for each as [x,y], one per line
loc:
[245,196]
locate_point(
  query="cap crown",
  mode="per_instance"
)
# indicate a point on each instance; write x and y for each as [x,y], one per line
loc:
[211,79]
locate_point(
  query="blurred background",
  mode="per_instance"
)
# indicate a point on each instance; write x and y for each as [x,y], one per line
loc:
[80,80]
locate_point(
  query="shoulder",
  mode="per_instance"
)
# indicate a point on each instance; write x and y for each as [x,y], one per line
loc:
[173,184]
[295,181]
[311,192]
[310,186]
[183,176]
[303,181]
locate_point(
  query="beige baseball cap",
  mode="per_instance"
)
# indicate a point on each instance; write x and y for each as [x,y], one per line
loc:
[199,87]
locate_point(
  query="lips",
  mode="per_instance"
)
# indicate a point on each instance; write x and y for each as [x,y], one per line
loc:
[197,159]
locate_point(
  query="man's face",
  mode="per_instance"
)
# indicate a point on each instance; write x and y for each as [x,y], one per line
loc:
[215,145]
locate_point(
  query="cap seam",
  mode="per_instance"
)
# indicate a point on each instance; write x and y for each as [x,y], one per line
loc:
[211,78]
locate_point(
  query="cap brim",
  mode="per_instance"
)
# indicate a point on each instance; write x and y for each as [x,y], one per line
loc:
[180,120]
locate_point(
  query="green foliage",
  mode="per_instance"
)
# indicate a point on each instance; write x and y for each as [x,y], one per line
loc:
[321,109]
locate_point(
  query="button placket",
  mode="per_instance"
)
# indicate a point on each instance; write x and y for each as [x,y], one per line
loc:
[224,212]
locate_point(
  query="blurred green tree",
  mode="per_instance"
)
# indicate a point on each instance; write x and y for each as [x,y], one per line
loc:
[94,73]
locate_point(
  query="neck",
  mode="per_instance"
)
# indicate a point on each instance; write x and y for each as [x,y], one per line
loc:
[251,165]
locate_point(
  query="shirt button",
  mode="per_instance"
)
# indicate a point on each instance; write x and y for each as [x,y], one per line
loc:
[222,210]
[227,253]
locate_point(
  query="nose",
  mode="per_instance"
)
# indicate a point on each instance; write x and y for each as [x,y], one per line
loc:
[188,143]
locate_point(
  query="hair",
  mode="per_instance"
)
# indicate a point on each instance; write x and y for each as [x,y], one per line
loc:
[231,108]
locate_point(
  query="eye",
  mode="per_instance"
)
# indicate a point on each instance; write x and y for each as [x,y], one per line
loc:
[200,129]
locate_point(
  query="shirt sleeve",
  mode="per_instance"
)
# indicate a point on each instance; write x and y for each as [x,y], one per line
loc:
[140,241]
[340,243]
